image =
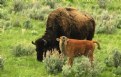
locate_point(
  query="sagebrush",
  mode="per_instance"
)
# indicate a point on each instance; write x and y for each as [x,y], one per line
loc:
[83,68]
[1,63]
[53,62]
[23,49]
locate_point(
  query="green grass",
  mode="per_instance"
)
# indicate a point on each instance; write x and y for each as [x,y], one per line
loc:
[28,66]
[108,43]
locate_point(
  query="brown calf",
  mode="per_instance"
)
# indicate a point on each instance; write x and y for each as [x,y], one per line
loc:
[72,48]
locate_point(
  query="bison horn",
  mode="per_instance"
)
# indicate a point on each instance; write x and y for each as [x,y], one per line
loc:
[33,42]
[45,42]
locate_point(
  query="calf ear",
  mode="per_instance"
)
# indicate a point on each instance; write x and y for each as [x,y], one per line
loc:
[57,39]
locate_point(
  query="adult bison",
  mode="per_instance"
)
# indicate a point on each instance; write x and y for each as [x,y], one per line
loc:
[67,22]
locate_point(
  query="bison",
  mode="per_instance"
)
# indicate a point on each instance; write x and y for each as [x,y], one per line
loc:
[67,22]
[72,48]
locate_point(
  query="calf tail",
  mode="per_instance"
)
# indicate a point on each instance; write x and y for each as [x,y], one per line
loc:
[97,44]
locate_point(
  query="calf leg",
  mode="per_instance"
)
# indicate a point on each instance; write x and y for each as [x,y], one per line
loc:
[70,61]
[91,56]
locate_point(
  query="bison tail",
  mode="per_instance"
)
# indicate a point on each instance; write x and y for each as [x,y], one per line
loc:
[97,44]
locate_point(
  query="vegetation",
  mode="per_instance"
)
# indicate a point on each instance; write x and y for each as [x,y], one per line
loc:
[23,21]
[53,62]
[23,49]
[83,68]
[1,63]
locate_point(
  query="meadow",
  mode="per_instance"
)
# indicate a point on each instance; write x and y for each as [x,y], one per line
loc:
[23,21]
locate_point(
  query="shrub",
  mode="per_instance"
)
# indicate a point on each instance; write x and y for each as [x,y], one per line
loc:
[18,5]
[36,4]
[2,2]
[15,22]
[102,3]
[117,58]
[2,24]
[82,68]
[5,24]
[119,22]
[1,63]
[67,71]
[114,60]
[53,62]
[36,14]
[117,71]
[27,24]
[23,49]
[106,23]
[39,14]
[4,14]
[97,69]
[51,3]
[109,61]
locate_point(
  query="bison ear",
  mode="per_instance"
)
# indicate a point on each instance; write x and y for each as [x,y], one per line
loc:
[57,39]
[45,42]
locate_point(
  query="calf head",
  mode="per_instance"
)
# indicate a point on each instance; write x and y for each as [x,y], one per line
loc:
[62,43]
[40,48]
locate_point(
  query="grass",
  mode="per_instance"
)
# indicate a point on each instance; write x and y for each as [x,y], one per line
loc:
[108,43]
[28,66]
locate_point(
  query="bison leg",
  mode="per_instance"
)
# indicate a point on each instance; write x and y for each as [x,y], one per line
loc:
[90,35]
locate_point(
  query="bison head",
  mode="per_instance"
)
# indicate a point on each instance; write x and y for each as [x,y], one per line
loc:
[40,48]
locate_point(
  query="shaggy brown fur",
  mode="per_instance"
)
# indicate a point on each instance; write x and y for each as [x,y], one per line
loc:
[67,22]
[73,48]
[72,23]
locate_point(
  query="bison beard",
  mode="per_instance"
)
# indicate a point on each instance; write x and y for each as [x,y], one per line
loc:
[67,22]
